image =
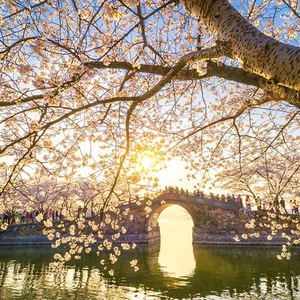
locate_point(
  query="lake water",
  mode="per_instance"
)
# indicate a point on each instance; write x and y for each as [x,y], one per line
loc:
[219,273]
[176,269]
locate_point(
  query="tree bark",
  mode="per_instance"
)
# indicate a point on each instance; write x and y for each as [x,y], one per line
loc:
[258,53]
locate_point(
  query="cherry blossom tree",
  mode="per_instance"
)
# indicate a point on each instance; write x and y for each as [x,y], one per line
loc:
[270,174]
[88,86]
[43,196]
[118,77]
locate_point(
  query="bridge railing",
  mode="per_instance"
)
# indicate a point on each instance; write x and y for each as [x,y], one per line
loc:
[211,199]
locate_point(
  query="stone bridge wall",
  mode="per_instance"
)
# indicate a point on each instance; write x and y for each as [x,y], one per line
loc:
[30,234]
[216,226]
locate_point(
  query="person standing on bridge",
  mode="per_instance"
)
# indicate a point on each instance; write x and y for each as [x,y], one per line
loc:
[247,206]
[239,200]
[282,206]
[258,203]
[248,203]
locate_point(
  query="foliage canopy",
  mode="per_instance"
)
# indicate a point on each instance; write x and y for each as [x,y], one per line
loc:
[89,86]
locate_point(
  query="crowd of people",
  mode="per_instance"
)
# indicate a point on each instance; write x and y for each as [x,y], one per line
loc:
[275,205]
[27,217]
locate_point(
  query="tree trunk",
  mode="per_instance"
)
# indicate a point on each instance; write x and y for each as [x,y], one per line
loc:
[258,53]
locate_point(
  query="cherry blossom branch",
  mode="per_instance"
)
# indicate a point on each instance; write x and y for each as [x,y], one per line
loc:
[277,135]
[29,8]
[291,8]
[235,74]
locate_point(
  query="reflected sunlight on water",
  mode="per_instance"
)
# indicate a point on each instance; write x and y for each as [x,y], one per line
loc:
[176,257]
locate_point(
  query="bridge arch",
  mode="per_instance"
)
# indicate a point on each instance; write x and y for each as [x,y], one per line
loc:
[157,209]
[211,218]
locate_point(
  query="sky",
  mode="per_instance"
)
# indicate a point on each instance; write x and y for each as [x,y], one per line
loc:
[176,175]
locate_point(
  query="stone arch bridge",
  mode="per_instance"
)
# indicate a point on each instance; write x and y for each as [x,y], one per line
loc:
[215,222]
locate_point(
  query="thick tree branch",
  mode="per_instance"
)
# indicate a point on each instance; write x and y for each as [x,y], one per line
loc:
[235,74]
[274,92]
[258,53]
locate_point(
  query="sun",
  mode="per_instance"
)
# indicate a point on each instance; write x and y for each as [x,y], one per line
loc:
[146,161]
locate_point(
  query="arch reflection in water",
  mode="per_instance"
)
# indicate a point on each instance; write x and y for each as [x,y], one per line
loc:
[176,257]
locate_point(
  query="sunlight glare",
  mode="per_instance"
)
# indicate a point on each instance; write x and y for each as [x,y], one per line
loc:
[146,160]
